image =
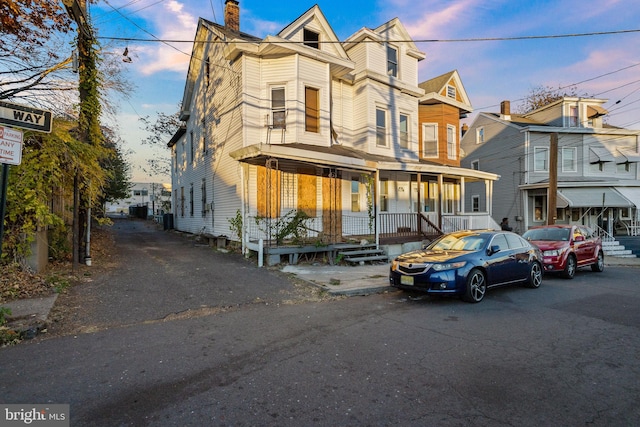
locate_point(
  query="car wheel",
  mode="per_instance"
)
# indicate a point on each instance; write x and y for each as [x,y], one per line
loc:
[535,276]
[570,268]
[599,264]
[476,286]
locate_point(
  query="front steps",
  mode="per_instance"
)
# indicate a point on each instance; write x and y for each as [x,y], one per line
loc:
[360,254]
[615,249]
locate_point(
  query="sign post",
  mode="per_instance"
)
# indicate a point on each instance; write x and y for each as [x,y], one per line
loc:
[10,154]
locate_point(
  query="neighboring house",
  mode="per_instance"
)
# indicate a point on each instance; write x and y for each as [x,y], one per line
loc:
[299,122]
[156,197]
[597,165]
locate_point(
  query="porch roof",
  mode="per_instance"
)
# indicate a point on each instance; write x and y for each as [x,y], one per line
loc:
[593,197]
[349,158]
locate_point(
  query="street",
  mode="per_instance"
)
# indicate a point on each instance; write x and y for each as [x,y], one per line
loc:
[177,334]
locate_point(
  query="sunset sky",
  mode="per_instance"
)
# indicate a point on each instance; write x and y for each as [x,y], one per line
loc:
[507,67]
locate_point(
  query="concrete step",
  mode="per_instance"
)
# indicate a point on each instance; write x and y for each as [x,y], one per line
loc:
[363,259]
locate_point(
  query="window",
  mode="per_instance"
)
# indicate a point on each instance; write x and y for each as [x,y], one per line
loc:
[539,208]
[207,72]
[381,127]
[191,200]
[573,116]
[181,201]
[451,91]
[475,203]
[569,159]
[392,61]
[404,131]
[451,142]
[312,110]
[204,136]
[278,110]
[475,165]
[384,196]
[191,149]
[450,197]
[430,140]
[500,241]
[480,135]
[355,195]
[311,39]
[203,191]
[540,159]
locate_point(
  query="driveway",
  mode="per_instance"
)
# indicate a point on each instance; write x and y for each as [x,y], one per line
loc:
[153,275]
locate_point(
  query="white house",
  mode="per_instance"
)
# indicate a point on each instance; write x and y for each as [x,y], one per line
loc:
[301,122]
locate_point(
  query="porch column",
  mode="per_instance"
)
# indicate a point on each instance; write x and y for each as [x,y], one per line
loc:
[376,207]
[440,185]
[462,193]
[488,195]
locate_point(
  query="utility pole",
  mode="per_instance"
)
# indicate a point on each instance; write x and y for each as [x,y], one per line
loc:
[552,195]
[77,10]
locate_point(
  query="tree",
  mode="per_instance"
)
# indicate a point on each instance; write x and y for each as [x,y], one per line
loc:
[160,132]
[539,96]
[117,185]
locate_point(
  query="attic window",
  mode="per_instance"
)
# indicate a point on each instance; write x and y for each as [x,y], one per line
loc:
[392,61]
[311,39]
[451,91]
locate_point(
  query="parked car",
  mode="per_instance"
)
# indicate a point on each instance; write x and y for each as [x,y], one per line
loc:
[567,247]
[467,263]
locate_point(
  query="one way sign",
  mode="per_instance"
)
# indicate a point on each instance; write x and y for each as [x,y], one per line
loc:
[25,117]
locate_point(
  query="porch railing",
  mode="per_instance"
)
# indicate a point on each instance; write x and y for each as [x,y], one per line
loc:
[392,227]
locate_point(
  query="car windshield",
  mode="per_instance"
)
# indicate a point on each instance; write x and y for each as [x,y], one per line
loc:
[552,234]
[470,242]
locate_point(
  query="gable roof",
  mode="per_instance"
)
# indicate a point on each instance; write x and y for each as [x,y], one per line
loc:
[385,32]
[435,91]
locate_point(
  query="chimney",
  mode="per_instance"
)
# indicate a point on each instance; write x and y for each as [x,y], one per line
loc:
[232,15]
[505,110]
[465,129]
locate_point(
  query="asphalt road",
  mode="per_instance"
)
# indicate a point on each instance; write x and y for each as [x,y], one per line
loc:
[179,334]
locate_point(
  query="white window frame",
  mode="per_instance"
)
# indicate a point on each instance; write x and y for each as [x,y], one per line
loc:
[475,203]
[475,165]
[355,194]
[452,143]
[425,141]
[574,163]
[403,137]
[311,43]
[393,65]
[381,128]
[278,110]
[573,120]
[537,151]
[480,135]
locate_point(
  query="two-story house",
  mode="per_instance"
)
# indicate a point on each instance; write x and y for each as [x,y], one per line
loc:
[597,165]
[301,122]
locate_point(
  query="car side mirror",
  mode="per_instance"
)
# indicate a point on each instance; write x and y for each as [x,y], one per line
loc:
[493,249]
[579,239]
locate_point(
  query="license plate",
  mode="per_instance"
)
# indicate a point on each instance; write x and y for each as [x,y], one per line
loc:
[406,280]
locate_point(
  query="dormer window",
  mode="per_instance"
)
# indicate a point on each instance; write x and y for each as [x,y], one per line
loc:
[573,116]
[392,61]
[311,39]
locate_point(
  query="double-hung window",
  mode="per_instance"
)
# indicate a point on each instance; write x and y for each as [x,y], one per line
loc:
[540,159]
[404,131]
[278,108]
[569,159]
[451,142]
[392,61]
[381,127]
[430,140]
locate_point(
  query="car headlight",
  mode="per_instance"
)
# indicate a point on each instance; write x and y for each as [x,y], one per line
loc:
[448,265]
[554,252]
[394,265]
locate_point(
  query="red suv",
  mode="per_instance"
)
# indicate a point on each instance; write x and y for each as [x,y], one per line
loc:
[567,247]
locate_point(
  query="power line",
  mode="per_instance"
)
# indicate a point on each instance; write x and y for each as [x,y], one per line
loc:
[462,40]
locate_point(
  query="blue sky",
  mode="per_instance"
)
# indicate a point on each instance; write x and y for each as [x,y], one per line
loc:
[604,66]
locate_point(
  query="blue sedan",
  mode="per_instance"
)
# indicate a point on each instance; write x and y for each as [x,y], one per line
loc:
[467,263]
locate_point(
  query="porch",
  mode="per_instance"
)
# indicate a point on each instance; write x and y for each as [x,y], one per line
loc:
[276,237]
